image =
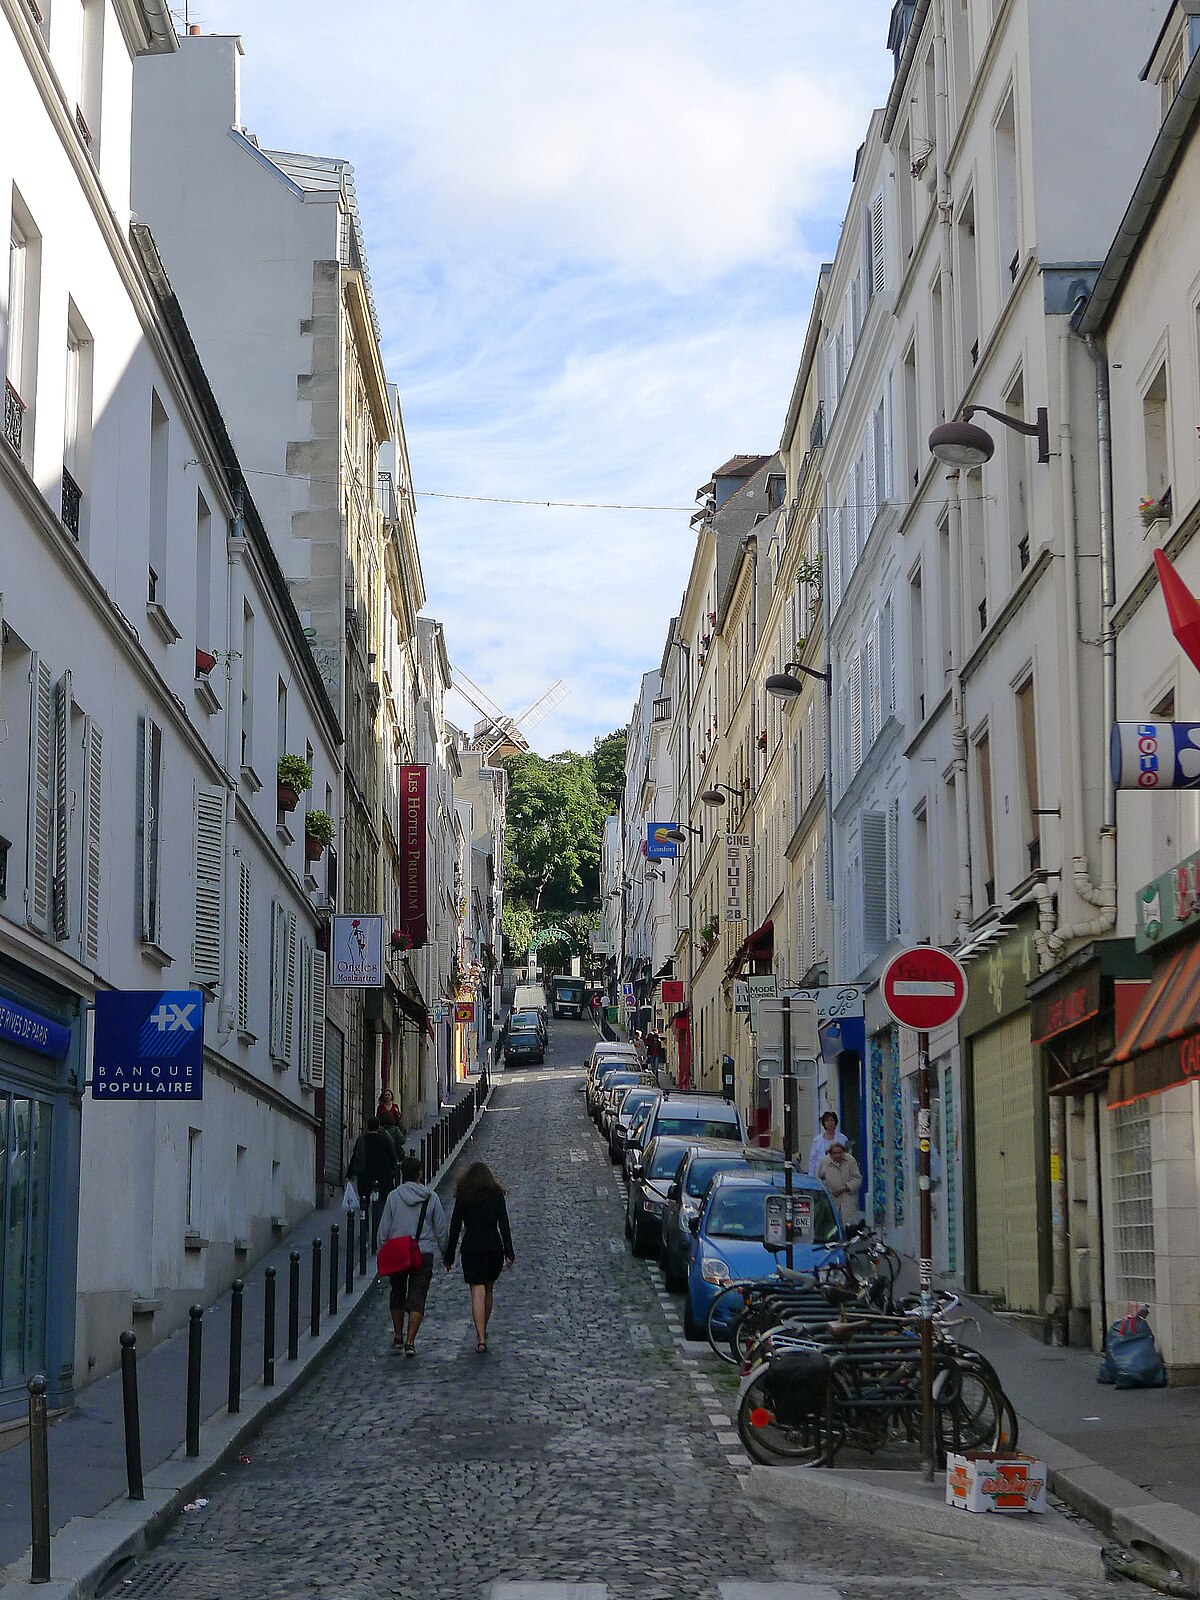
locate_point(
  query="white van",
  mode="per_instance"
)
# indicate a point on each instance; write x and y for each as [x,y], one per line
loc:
[529,997]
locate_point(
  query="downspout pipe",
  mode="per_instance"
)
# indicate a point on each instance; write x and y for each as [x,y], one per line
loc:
[235,549]
[962,811]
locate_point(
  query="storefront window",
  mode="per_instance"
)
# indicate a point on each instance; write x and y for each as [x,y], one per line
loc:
[1133,1206]
[26,1197]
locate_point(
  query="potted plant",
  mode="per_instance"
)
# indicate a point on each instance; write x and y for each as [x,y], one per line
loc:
[318,832]
[205,662]
[762,740]
[401,939]
[799,645]
[1154,509]
[293,776]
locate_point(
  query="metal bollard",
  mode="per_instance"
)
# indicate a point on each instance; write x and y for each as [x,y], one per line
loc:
[335,1236]
[39,1481]
[269,1330]
[133,1423]
[293,1305]
[314,1299]
[364,1231]
[350,1252]
[235,1346]
[195,1356]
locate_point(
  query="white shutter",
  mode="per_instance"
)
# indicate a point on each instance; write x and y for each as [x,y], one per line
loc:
[814,934]
[62,806]
[889,481]
[316,1070]
[810,751]
[243,952]
[289,998]
[89,898]
[835,559]
[40,845]
[150,762]
[210,884]
[872,504]
[868,691]
[878,709]
[278,979]
[873,831]
[887,658]
[856,727]
[893,870]
[878,260]
[848,328]
[303,1013]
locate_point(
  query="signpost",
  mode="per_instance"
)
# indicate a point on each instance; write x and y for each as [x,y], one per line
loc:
[787,1027]
[925,988]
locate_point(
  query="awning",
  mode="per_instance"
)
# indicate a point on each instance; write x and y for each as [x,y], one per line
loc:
[756,946]
[667,970]
[1161,1046]
[414,1010]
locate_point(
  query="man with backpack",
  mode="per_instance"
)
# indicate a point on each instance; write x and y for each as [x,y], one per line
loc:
[412,1227]
[373,1168]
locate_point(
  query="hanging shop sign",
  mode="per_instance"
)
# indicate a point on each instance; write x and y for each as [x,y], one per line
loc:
[1155,755]
[356,953]
[32,1031]
[737,850]
[658,846]
[1068,1005]
[464,1011]
[414,910]
[1168,905]
[672,991]
[148,1045]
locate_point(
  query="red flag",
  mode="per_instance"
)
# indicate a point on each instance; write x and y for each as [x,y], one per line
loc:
[1183,609]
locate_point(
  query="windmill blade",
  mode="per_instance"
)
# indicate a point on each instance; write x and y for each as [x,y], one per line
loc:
[471,691]
[543,705]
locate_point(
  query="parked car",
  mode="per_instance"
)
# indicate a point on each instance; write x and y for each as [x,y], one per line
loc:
[605,1072]
[696,1116]
[531,1019]
[639,1095]
[610,1050]
[614,1091]
[727,1242]
[652,1176]
[524,1045]
[686,1196]
[635,1134]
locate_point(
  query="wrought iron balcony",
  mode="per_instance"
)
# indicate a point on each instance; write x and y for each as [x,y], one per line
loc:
[661,710]
[388,506]
[72,495]
[816,437]
[14,416]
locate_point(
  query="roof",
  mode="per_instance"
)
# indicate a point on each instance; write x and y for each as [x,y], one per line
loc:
[332,175]
[739,467]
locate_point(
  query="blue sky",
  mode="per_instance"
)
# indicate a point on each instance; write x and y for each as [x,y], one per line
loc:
[593,230]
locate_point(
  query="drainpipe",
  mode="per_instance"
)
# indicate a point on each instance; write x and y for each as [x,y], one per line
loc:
[235,547]
[951,383]
[962,812]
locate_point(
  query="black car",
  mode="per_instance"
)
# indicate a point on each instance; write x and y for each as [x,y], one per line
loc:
[531,1019]
[604,1076]
[610,1100]
[651,1176]
[524,1045]
[686,1196]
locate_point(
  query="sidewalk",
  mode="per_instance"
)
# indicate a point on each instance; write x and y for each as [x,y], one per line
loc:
[87,1445]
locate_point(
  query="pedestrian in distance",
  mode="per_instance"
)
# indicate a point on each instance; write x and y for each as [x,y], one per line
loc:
[481,1216]
[840,1175]
[412,1211]
[823,1138]
[392,1123]
[373,1168]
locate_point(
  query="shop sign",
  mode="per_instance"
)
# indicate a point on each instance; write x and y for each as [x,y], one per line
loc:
[737,848]
[741,996]
[356,953]
[672,991]
[1068,1005]
[834,1002]
[414,911]
[998,977]
[658,847]
[1168,905]
[32,1031]
[758,985]
[1164,1067]
[464,1011]
[1155,755]
[148,1045]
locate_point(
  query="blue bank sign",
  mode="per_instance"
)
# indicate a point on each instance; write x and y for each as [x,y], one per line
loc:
[32,1031]
[149,1045]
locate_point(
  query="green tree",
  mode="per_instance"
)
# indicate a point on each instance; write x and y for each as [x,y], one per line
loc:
[555,818]
[517,923]
[608,764]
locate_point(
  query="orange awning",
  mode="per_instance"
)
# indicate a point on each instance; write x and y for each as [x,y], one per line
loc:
[1161,1046]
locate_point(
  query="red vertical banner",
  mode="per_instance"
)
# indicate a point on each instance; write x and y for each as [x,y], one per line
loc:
[414,914]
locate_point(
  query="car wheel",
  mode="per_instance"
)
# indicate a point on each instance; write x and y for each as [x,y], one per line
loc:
[628,1228]
[637,1241]
[673,1280]
[614,1154]
[691,1328]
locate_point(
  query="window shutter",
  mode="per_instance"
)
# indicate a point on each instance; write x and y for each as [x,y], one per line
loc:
[878,260]
[814,936]
[62,805]
[887,658]
[89,899]
[848,328]
[243,955]
[41,778]
[210,885]
[278,979]
[304,1012]
[878,710]
[889,482]
[873,830]
[289,999]
[150,786]
[316,1071]
[872,504]
[893,870]
[856,728]
[810,751]
[843,732]
[869,678]
[835,559]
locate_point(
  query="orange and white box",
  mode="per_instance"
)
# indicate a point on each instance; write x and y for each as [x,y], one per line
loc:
[1010,1484]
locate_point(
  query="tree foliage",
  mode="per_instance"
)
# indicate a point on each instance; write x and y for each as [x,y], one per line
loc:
[555,820]
[608,765]
[517,923]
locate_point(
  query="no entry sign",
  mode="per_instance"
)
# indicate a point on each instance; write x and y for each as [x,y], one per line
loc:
[924,988]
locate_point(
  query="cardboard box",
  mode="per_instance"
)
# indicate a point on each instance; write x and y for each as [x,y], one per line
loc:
[1006,1482]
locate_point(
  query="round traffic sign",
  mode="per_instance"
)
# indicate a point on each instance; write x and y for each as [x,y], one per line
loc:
[924,988]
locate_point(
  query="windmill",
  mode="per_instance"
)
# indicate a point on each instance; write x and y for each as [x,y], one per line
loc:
[498,734]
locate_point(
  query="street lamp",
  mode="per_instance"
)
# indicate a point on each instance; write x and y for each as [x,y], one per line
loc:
[715,797]
[786,685]
[963,444]
[678,834]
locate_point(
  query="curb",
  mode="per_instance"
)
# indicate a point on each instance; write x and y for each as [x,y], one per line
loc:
[88,1550]
[843,1496]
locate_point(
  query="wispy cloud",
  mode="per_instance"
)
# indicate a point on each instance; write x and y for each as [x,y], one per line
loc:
[592,232]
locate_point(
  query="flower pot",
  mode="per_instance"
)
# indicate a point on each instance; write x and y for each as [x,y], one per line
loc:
[313,848]
[287,796]
[205,662]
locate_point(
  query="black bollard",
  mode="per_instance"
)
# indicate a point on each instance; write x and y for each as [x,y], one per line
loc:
[349,1252]
[335,1237]
[364,1229]
[133,1422]
[39,1482]
[269,1331]
[314,1299]
[235,1346]
[293,1305]
[195,1356]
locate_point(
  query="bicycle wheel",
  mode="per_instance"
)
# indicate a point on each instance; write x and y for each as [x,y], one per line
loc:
[973,1419]
[1010,1427]
[719,1338]
[770,1434]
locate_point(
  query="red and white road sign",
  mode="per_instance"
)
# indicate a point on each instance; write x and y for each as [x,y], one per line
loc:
[924,988]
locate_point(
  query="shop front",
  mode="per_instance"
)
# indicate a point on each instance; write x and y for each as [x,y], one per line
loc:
[40,1086]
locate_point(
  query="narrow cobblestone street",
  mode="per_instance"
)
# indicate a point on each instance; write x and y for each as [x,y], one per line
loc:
[581,1449]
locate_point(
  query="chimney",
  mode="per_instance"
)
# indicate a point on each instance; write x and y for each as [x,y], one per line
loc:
[193,30]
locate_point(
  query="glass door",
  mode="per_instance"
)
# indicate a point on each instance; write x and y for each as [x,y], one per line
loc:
[24,1234]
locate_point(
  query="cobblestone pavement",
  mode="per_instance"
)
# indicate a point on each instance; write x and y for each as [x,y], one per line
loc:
[580,1451]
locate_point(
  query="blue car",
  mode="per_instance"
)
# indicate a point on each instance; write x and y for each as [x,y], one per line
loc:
[728,1239]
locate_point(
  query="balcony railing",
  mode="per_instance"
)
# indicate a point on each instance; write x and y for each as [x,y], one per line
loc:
[816,437]
[14,416]
[72,496]
[661,710]
[387,498]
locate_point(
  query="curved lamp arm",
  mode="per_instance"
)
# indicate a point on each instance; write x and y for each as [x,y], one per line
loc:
[1039,430]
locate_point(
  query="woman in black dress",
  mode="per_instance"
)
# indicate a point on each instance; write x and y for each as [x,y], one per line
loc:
[482,1217]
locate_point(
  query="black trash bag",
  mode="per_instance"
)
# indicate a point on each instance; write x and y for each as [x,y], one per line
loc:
[1132,1360]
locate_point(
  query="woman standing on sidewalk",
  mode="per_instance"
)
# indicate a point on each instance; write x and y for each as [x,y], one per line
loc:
[481,1216]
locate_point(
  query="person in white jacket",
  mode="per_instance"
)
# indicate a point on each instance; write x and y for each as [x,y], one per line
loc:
[402,1219]
[823,1138]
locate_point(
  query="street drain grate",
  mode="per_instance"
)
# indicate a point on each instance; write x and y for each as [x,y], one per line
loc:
[155,1578]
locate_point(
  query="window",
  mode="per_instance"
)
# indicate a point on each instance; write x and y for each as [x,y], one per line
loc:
[281,712]
[40,849]
[1155,427]
[245,907]
[975,550]
[210,884]
[1007,196]
[922,927]
[905,194]
[77,423]
[1133,1203]
[948,607]
[1016,476]
[91,68]
[93,791]
[193,1181]
[916,634]
[247,686]
[1027,733]
[160,443]
[204,640]
[983,772]
[148,826]
[873,833]
[967,279]
[20,360]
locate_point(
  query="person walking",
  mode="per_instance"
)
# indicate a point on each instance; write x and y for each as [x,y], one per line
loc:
[481,1216]
[392,1124]
[822,1139]
[840,1175]
[373,1168]
[412,1211]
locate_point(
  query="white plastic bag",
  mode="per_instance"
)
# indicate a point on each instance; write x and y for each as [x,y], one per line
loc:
[350,1200]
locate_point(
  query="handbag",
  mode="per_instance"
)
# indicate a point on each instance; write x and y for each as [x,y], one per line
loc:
[403,1253]
[350,1200]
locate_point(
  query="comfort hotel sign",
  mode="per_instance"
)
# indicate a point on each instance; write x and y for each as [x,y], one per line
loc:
[414,915]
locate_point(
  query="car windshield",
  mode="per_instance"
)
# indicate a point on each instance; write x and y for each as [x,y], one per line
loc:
[523,1036]
[698,1128]
[665,1162]
[622,1080]
[636,1099]
[738,1213]
[525,1019]
[705,1168]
